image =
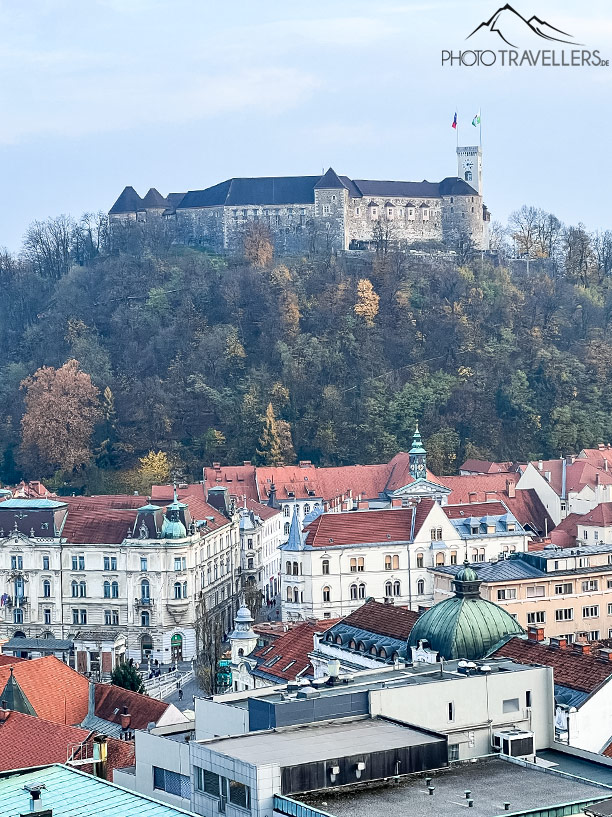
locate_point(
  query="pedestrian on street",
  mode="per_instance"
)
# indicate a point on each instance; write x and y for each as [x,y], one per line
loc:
[180,694]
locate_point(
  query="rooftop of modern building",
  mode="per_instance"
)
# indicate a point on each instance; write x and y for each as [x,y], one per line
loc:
[309,743]
[491,783]
[69,792]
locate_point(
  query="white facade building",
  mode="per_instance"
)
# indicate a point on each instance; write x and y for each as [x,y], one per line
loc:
[119,578]
[261,534]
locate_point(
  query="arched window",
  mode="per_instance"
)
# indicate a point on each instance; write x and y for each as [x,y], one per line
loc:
[420,587]
[74,589]
[177,590]
[419,560]
[362,591]
[327,593]
[250,563]
[107,594]
[468,175]
[82,589]
[388,562]
[352,644]
[145,618]
[396,563]
[306,509]
[361,646]
[296,595]
[184,590]
[115,589]
[373,650]
[325,567]
[353,589]
[439,559]
[338,639]
[288,568]
[388,589]
[397,588]
[145,590]
[296,569]
[289,594]
[287,510]
[287,528]
[47,588]
[382,652]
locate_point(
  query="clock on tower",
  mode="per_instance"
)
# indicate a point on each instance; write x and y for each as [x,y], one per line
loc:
[417,457]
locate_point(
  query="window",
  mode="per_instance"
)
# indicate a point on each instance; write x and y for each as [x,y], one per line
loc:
[107,563]
[185,590]
[397,588]
[528,698]
[590,586]
[306,509]
[75,616]
[83,616]
[107,617]
[357,211]
[420,587]
[16,562]
[564,589]
[510,705]
[453,751]
[539,617]
[468,175]
[586,534]
[374,212]
[239,794]
[436,534]
[353,567]
[388,563]
[47,614]
[439,559]
[419,560]
[115,590]
[362,591]
[610,609]
[75,563]
[207,782]
[453,557]
[286,510]
[107,590]
[288,568]
[536,591]
[325,567]
[388,589]
[18,615]
[592,611]
[47,589]
[451,711]
[145,618]
[584,562]
[594,635]
[171,782]
[353,590]
[289,594]
[74,589]
[595,535]
[145,590]
[326,209]
[286,528]
[326,593]
[81,563]
[143,564]
[177,590]
[425,215]
[177,563]
[566,614]
[506,593]
[396,563]
[45,563]
[296,569]
[82,589]
[115,616]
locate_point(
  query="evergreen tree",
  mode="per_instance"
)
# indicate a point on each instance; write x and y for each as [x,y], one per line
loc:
[270,444]
[127,676]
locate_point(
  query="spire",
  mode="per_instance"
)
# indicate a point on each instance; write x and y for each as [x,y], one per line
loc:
[295,533]
[417,443]
[417,456]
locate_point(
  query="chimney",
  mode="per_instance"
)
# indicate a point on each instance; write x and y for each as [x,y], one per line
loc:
[540,465]
[583,647]
[570,459]
[217,466]
[91,701]
[601,446]
[535,634]
[510,488]
[246,462]
[597,479]
[36,802]
[100,754]
[363,504]
[605,654]
[396,502]
[558,643]
[126,718]
[4,712]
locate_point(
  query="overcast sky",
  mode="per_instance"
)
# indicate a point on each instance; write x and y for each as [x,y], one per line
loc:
[180,95]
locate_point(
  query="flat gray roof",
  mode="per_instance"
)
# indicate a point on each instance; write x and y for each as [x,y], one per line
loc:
[308,743]
[491,782]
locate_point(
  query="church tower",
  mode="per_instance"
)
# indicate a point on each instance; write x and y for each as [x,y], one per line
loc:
[417,457]
[469,166]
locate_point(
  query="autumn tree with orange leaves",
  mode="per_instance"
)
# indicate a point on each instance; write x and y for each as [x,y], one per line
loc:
[62,409]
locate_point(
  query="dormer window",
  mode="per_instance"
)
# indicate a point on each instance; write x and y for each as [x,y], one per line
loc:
[511,527]
[475,529]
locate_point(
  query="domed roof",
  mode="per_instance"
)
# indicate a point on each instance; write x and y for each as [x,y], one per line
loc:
[466,625]
[173,529]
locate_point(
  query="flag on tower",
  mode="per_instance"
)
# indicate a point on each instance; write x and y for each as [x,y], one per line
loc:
[476,119]
[454,125]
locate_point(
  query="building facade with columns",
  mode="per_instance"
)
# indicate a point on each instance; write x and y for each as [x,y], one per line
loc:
[119,577]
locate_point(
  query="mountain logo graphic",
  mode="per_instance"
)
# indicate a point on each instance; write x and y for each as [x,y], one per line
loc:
[511,26]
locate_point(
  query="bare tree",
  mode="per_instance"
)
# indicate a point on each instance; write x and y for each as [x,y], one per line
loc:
[47,246]
[209,641]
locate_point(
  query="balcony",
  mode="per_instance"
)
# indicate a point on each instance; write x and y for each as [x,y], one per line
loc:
[146,603]
[11,601]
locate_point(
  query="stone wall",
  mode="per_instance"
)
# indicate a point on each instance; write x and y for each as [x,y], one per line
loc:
[394,219]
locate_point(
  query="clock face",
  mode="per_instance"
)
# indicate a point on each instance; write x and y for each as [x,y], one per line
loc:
[469,164]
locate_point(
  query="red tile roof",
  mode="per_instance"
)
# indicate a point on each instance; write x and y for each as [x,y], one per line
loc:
[114,501]
[239,479]
[28,741]
[143,710]
[486,467]
[365,481]
[361,527]
[9,660]
[201,511]
[32,490]
[260,509]
[564,535]
[287,658]
[383,619]
[55,691]
[162,494]
[571,668]
[86,525]
[598,457]
[582,472]
[492,508]
[601,516]
[399,473]
[555,469]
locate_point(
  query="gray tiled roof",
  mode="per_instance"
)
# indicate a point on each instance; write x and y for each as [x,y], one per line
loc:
[505,570]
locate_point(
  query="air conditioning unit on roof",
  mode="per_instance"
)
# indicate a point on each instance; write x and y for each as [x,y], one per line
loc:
[515,743]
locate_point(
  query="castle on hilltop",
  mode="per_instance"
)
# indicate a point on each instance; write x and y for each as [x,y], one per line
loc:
[322,212]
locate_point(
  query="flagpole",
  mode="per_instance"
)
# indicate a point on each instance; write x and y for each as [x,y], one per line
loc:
[457,128]
[480,125]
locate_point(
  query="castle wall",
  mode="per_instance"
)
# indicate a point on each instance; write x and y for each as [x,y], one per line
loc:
[406,220]
[201,225]
[331,209]
[462,217]
[291,225]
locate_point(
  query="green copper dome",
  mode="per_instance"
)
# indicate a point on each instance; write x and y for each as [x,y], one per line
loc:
[466,625]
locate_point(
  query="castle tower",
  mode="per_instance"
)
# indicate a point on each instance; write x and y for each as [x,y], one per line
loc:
[469,166]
